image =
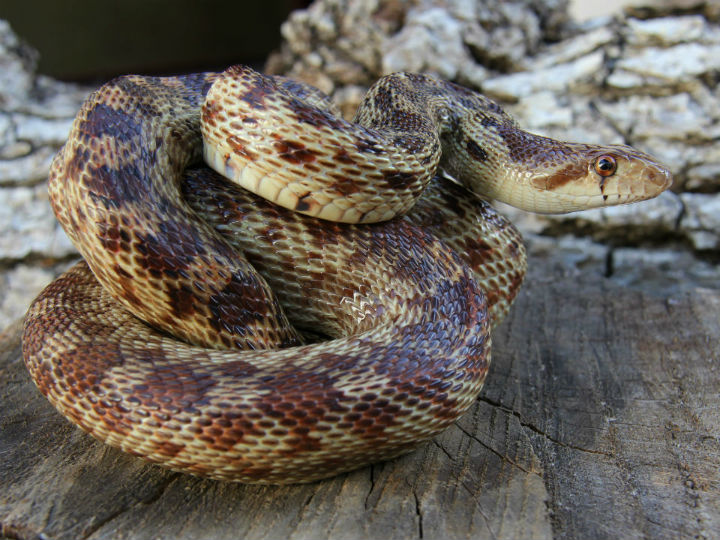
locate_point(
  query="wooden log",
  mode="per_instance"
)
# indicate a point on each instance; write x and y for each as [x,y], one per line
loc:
[600,419]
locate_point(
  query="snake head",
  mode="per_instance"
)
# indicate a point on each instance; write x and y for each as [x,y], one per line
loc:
[580,176]
[542,175]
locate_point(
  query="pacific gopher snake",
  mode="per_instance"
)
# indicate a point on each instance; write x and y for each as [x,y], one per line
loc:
[407,315]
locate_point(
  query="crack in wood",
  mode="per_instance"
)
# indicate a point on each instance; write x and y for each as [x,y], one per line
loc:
[372,485]
[418,512]
[498,454]
[540,432]
[486,520]
[155,496]
[444,451]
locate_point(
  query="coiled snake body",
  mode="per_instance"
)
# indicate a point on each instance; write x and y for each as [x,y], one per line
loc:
[407,303]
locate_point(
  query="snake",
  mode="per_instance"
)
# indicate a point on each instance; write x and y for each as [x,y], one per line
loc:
[270,293]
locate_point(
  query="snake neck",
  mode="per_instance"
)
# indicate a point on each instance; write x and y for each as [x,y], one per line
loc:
[483,148]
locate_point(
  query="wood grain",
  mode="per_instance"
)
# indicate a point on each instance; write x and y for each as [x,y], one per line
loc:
[600,419]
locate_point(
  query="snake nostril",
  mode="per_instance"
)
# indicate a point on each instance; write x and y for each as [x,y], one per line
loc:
[662,178]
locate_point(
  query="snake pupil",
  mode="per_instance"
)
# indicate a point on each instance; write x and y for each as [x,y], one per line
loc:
[605,165]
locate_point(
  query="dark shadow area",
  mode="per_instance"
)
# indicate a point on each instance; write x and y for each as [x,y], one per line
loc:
[83,40]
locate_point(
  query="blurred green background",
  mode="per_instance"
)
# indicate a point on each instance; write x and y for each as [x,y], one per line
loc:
[86,40]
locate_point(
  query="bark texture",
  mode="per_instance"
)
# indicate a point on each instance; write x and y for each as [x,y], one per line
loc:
[600,419]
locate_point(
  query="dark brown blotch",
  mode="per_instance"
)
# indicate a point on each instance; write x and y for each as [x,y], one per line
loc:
[487,120]
[238,146]
[197,86]
[295,152]
[476,151]
[257,91]
[342,156]
[110,185]
[168,449]
[343,184]
[103,120]
[366,145]
[399,180]
[303,204]
[411,143]
[561,178]
[181,299]
[478,252]
[308,114]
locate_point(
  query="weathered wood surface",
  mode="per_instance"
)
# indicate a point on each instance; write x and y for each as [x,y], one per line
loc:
[600,419]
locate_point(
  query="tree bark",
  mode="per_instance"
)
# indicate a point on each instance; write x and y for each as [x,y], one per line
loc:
[600,419]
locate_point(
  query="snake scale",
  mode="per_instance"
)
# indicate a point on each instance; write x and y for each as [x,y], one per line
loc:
[168,340]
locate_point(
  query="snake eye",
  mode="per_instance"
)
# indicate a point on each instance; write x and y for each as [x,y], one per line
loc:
[605,165]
